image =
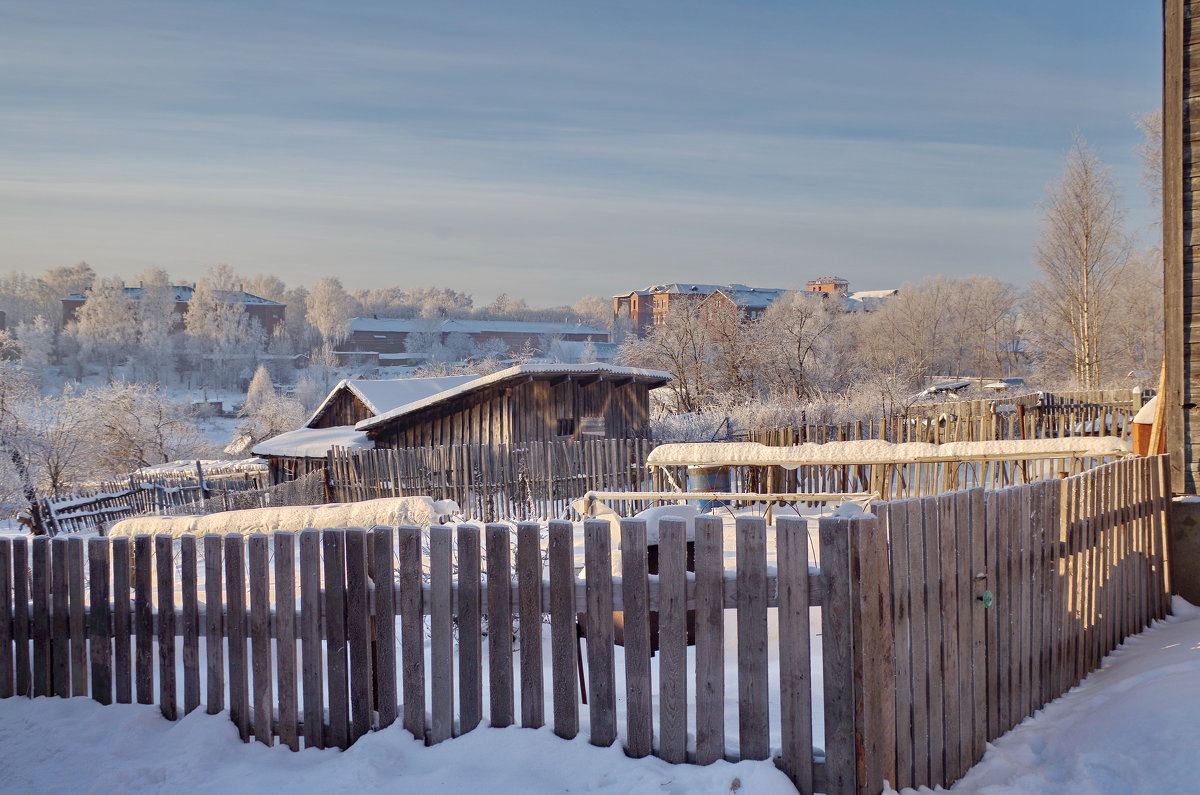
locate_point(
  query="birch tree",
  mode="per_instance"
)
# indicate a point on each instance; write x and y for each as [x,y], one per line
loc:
[1082,252]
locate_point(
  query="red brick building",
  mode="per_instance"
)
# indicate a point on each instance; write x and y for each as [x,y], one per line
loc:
[269,314]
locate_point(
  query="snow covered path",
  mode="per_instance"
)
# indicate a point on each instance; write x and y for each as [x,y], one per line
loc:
[1131,727]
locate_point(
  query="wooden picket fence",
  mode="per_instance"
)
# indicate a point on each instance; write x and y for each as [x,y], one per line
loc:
[1041,415]
[918,670]
[999,602]
[512,482]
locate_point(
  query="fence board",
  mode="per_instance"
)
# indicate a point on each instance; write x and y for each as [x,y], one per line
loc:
[285,645]
[950,651]
[602,704]
[122,656]
[262,690]
[837,657]
[41,617]
[635,588]
[337,676]
[6,623]
[77,623]
[214,623]
[143,612]
[21,583]
[795,660]
[100,627]
[753,694]
[358,632]
[563,629]
[164,566]
[980,577]
[385,624]
[672,640]
[935,633]
[60,638]
[919,628]
[499,598]
[529,603]
[412,630]
[312,654]
[441,627]
[188,562]
[470,630]
[710,642]
[235,625]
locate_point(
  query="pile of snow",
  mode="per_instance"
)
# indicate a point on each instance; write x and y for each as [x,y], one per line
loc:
[1129,727]
[77,745]
[389,511]
[876,451]
[313,442]
[1145,415]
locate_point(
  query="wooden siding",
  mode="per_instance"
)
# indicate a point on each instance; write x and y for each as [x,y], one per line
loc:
[1181,126]
[535,410]
[345,408]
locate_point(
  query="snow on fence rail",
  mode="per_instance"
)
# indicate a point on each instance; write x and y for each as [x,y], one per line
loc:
[919,666]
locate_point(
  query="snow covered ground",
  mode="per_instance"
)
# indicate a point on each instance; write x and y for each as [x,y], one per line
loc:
[76,745]
[1130,727]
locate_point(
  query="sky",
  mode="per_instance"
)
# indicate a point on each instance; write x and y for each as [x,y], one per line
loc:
[557,149]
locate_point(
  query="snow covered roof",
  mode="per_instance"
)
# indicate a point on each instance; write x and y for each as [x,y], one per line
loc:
[184,292]
[874,451]
[313,442]
[399,325]
[383,395]
[691,288]
[864,294]
[752,296]
[657,377]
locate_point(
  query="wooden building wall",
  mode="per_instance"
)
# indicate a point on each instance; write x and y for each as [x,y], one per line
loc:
[1181,238]
[535,410]
[344,409]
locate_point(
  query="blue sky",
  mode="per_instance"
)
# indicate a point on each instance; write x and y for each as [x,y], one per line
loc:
[556,149]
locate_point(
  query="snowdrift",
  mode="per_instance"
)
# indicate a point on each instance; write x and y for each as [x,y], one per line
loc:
[390,511]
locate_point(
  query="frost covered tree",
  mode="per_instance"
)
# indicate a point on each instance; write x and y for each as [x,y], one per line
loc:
[36,340]
[798,339]
[156,321]
[136,425]
[105,326]
[1082,252]
[679,346]
[266,413]
[330,308]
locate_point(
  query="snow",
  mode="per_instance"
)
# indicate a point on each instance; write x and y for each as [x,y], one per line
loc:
[77,745]
[875,451]
[389,511]
[313,442]
[1130,727]
[386,394]
[216,465]
[511,373]
[1145,415]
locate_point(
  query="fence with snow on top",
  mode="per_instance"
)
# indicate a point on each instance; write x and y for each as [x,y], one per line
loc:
[943,622]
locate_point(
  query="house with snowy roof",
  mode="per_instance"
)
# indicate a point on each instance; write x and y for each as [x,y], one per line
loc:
[644,309]
[392,336]
[269,314]
[531,402]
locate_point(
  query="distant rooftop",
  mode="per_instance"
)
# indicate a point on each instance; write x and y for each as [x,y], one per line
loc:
[183,294]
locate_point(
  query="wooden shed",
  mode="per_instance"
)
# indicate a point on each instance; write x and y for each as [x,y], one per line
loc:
[539,402]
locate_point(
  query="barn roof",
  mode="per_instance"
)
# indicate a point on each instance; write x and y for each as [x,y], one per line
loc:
[312,442]
[513,374]
[383,395]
